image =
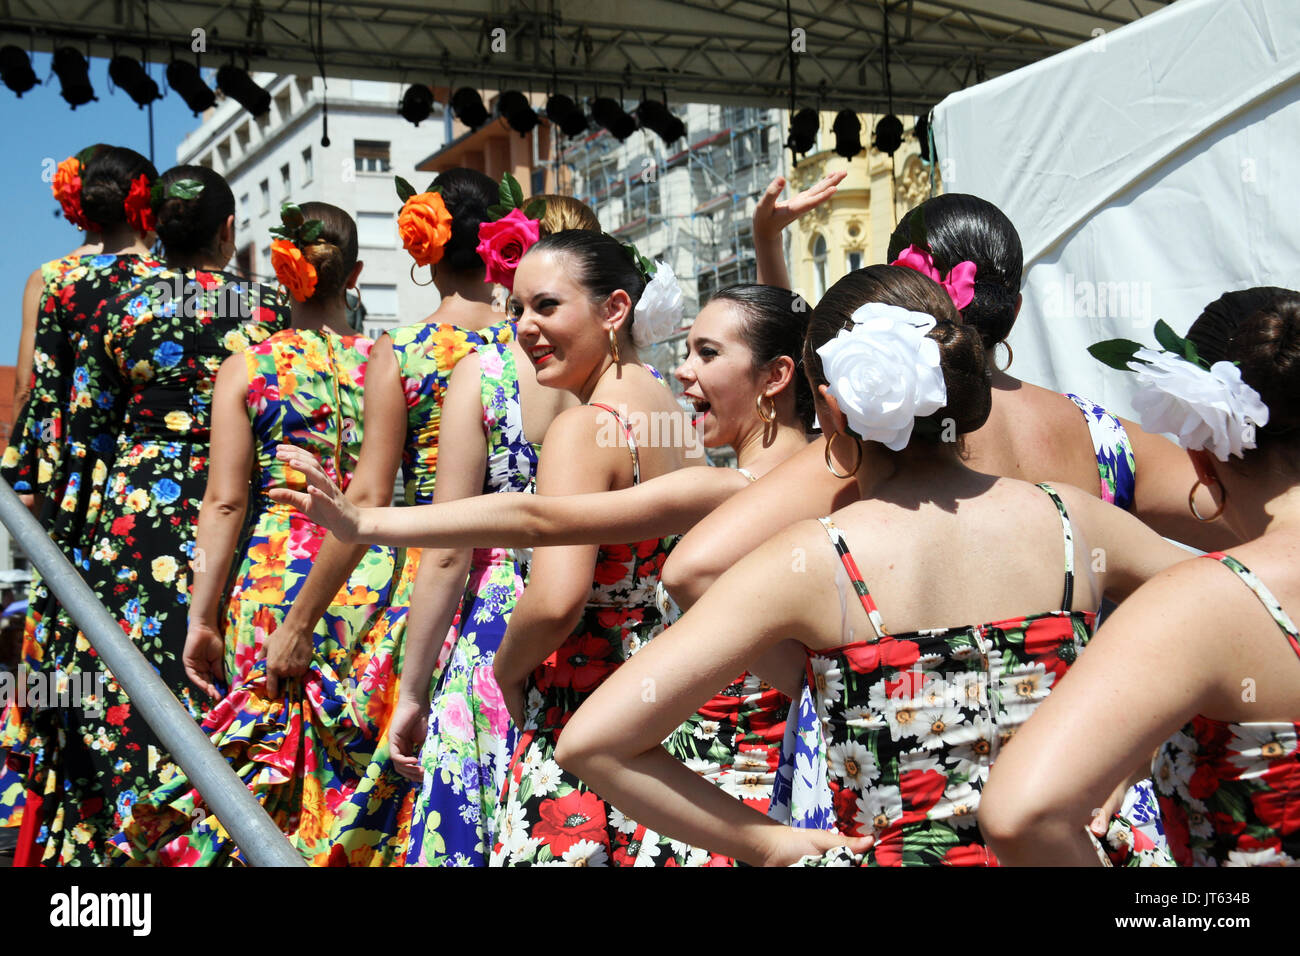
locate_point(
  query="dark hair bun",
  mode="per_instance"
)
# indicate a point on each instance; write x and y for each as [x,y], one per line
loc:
[189,226]
[602,265]
[107,180]
[965,377]
[467,193]
[334,253]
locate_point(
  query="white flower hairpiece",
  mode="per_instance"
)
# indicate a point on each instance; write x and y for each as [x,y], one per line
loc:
[1207,408]
[885,372]
[659,310]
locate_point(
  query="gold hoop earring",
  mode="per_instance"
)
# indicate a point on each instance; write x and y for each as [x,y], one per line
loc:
[359,307]
[830,462]
[417,281]
[613,344]
[282,296]
[1010,357]
[766,412]
[1191,502]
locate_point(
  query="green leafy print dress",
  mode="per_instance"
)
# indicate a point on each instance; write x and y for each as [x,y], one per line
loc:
[304,753]
[1230,793]
[898,734]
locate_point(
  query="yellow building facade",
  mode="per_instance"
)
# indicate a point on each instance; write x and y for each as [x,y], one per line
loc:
[852,229]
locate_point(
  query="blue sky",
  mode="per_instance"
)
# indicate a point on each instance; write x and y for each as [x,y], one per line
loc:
[41,126]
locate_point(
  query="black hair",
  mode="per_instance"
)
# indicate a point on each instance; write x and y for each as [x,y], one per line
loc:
[189,226]
[960,227]
[965,374]
[106,181]
[334,253]
[1258,330]
[601,265]
[775,323]
[467,193]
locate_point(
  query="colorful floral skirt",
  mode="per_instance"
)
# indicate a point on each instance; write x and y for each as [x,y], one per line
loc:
[471,737]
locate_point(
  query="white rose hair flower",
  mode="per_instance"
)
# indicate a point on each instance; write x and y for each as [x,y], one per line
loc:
[1208,409]
[659,310]
[885,372]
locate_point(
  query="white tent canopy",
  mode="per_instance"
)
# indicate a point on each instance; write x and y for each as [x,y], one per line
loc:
[728,51]
[1147,172]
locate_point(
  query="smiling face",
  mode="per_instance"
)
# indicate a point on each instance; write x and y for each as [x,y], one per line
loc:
[719,377]
[561,330]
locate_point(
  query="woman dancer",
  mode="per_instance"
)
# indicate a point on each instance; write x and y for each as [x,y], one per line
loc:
[741,372]
[58,456]
[1223,716]
[914,715]
[299,744]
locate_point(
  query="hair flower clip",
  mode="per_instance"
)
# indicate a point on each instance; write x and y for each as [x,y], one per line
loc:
[511,232]
[1208,407]
[292,268]
[66,187]
[424,223]
[139,211]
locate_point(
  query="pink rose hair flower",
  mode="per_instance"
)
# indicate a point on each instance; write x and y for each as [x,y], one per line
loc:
[959,282]
[501,244]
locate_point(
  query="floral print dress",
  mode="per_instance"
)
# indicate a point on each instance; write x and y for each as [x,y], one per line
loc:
[897,733]
[1229,792]
[383,801]
[547,816]
[471,737]
[304,753]
[59,450]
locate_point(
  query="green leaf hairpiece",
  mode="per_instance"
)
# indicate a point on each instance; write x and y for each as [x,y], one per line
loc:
[296,227]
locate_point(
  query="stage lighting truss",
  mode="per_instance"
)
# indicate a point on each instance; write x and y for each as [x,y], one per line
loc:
[16,69]
[130,75]
[74,76]
[239,86]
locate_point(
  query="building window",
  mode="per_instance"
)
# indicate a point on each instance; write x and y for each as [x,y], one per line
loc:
[379,299]
[854,262]
[284,180]
[306,166]
[376,229]
[243,211]
[265,188]
[819,267]
[370,156]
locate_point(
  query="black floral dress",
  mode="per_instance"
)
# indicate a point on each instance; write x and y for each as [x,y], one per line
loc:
[153,364]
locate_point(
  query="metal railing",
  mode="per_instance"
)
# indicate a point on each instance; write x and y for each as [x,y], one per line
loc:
[225,794]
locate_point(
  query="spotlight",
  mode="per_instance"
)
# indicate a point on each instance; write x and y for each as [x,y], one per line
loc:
[468,107]
[185,79]
[514,107]
[239,86]
[848,142]
[131,76]
[653,115]
[565,114]
[609,114]
[803,132]
[922,132]
[16,70]
[889,134]
[74,76]
[417,104]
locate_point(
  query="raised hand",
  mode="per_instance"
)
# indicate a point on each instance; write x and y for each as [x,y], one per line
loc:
[772,214]
[323,502]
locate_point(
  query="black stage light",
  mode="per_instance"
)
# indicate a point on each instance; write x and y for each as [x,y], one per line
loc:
[239,86]
[609,114]
[514,108]
[566,114]
[129,74]
[654,115]
[889,134]
[185,79]
[468,107]
[417,104]
[74,76]
[16,69]
[922,132]
[803,131]
[847,130]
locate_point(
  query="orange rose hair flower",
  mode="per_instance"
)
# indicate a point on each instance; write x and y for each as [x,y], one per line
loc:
[425,227]
[293,269]
[66,187]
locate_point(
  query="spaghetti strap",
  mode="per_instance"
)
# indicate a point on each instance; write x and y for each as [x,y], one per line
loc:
[1266,598]
[631,441]
[851,567]
[1067,602]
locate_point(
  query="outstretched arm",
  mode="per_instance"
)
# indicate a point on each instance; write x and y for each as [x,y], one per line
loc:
[772,215]
[288,648]
[614,740]
[221,518]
